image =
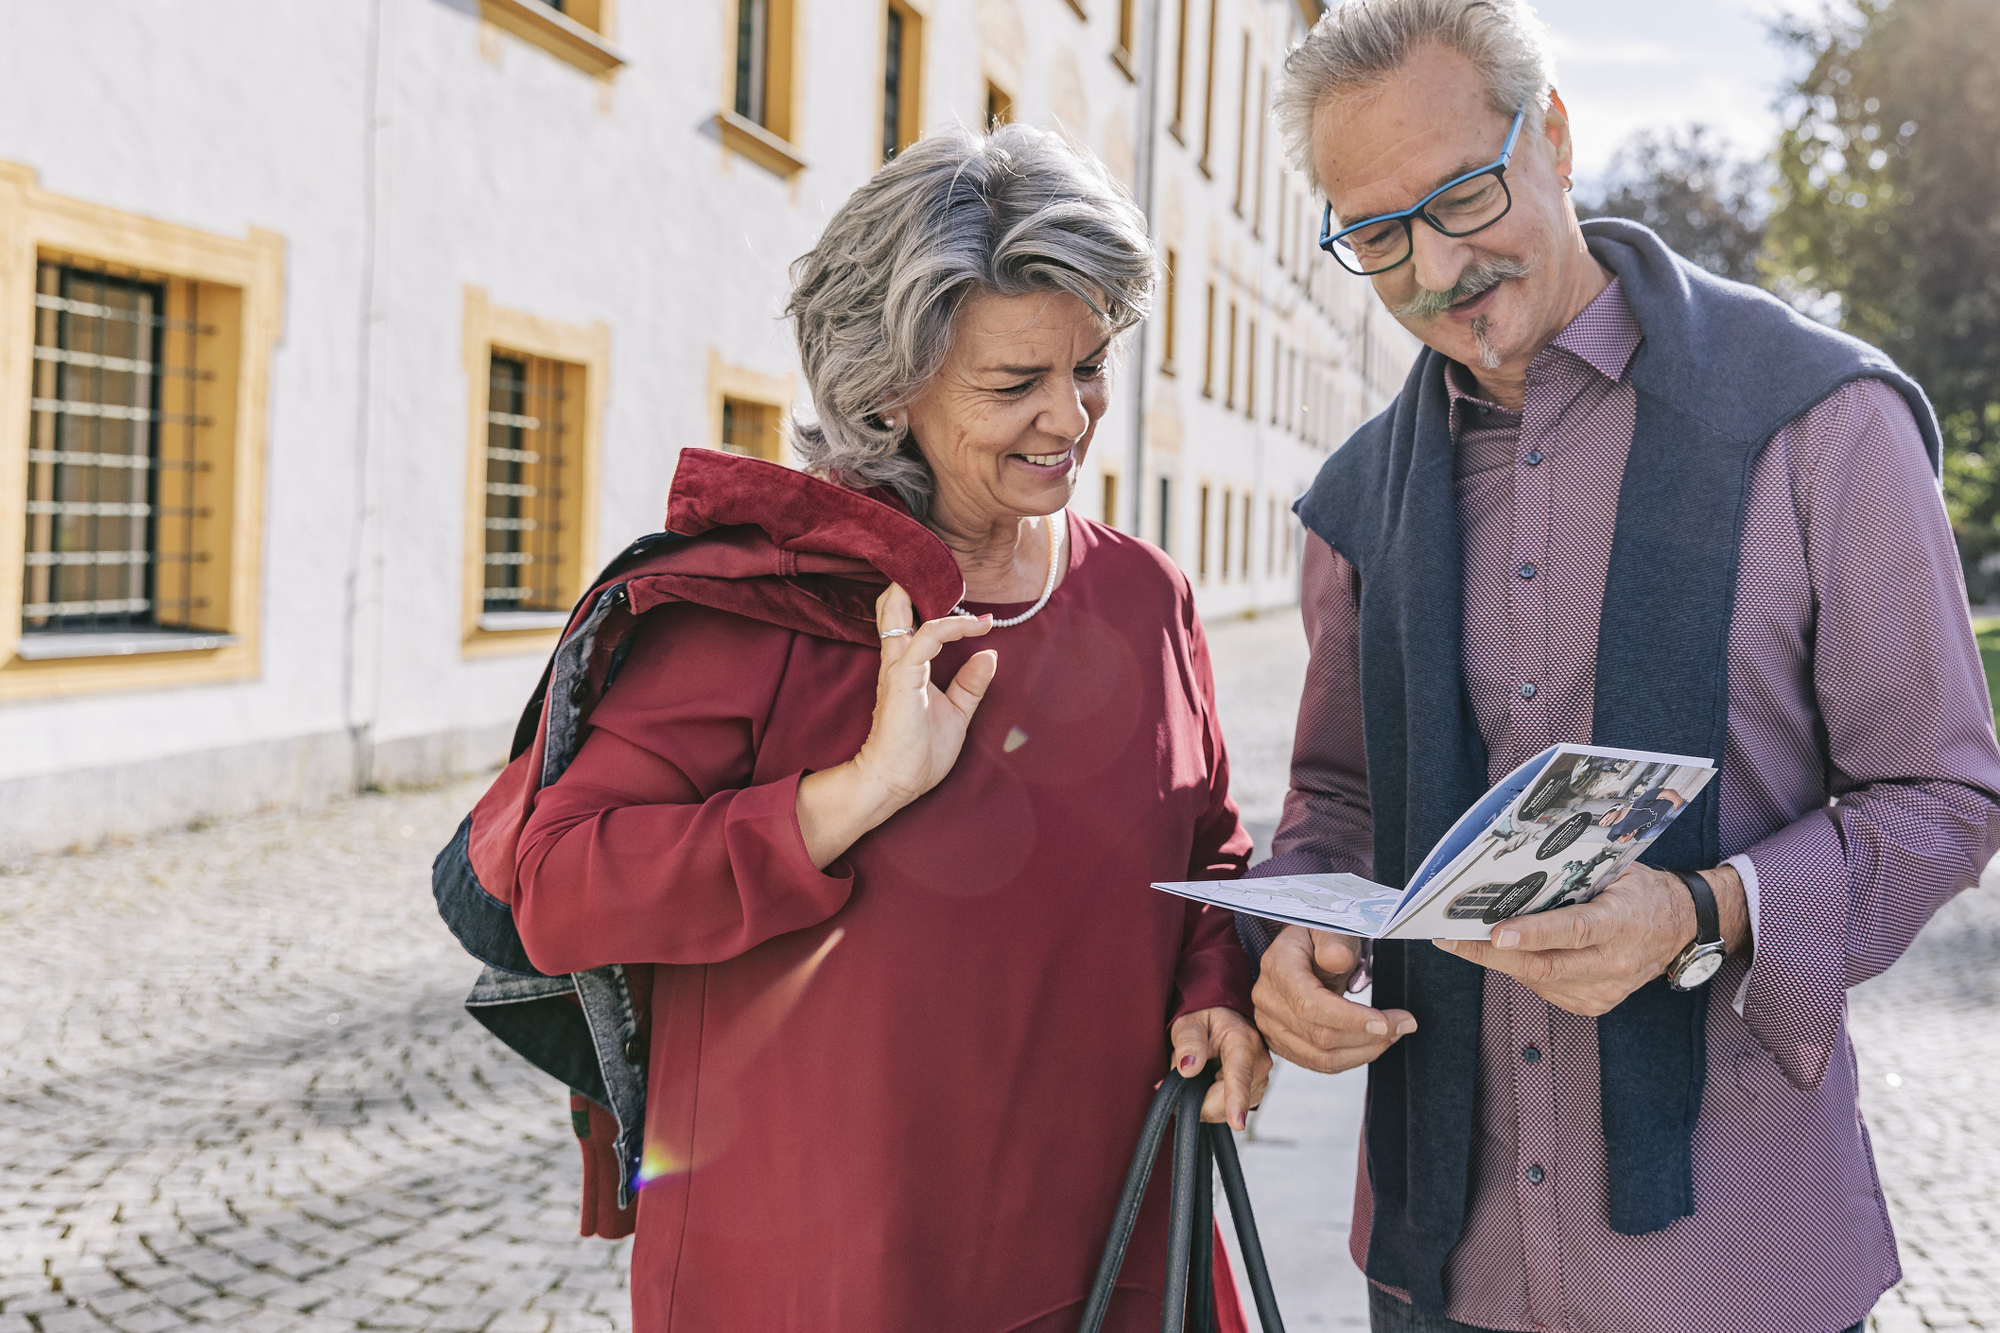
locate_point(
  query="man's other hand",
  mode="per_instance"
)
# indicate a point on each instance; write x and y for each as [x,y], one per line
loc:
[1301,1009]
[1589,957]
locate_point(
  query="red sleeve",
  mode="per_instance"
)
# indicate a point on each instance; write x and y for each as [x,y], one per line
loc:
[1214,971]
[1327,826]
[654,847]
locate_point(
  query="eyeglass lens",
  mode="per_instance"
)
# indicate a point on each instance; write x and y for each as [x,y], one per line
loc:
[1465,208]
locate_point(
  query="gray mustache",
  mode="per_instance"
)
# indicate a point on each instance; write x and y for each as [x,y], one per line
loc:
[1477,278]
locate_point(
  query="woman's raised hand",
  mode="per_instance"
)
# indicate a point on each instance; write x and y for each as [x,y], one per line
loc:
[916,735]
[918,727]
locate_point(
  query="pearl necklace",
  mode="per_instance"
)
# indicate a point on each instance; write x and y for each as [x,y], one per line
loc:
[1058,529]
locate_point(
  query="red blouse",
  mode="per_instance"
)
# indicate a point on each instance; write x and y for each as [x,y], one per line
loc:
[900,1094]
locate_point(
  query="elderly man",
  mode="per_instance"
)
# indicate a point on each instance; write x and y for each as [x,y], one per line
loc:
[1618,501]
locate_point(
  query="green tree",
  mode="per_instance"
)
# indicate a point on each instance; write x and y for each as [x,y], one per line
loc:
[1686,185]
[1888,216]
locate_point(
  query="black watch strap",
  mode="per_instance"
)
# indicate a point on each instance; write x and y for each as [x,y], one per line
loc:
[1708,921]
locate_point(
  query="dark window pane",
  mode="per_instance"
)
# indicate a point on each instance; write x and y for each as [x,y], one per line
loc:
[892,87]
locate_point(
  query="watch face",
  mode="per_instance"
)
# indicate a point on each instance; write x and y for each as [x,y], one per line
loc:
[1698,970]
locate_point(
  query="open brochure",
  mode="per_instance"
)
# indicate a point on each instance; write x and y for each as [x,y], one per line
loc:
[1551,833]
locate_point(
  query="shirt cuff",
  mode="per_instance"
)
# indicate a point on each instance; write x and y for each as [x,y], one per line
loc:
[1746,872]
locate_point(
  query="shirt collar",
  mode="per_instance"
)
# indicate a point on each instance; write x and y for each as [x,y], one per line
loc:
[1604,337]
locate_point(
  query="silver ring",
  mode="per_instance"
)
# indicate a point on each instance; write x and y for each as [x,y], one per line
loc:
[896,633]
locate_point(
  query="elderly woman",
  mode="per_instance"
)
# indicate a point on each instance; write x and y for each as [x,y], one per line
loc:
[915,988]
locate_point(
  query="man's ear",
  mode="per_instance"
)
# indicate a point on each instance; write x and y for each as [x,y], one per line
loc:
[1555,126]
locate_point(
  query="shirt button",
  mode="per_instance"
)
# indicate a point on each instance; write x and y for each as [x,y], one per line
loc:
[1526,571]
[1534,1175]
[1528,690]
[1531,1054]
[1532,458]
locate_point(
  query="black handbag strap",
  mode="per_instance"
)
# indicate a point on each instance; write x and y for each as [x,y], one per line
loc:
[1199,1151]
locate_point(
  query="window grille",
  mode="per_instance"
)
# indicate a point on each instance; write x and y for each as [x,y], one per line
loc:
[526,427]
[113,522]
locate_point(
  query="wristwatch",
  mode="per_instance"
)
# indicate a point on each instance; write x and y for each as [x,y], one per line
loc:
[1694,965]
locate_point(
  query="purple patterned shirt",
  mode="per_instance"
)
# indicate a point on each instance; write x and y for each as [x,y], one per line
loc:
[1858,794]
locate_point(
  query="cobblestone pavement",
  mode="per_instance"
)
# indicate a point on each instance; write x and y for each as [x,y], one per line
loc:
[240,1092]
[237,1090]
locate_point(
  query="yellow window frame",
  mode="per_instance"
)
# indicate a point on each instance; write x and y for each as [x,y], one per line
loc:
[910,105]
[773,393]
[771,143]
[580,37]
[586,349]
[242,286]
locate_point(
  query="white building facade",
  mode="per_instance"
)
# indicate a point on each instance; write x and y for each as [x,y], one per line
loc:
[341,344]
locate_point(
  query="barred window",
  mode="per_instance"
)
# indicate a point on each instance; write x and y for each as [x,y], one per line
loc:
[528,418]
[116,524]
[534,412]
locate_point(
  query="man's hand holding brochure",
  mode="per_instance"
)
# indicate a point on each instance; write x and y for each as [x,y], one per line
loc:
[1551,833]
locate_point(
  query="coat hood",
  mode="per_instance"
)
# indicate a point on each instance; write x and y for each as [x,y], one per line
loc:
[774,544]
[743,536]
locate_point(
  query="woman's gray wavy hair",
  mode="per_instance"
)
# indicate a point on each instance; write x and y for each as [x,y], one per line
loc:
[1356,46]
[875,302]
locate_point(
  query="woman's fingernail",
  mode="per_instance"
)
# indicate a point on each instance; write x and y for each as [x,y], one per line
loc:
[1406,1027]
[1449,946]
[1507,939]
[1242,1121]
[1378,1027]
[1187,1062]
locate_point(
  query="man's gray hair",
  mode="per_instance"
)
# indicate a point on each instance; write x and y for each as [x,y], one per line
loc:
[1357,45]
[875,302]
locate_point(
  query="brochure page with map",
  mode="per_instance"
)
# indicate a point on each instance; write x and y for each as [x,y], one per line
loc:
[1551,833]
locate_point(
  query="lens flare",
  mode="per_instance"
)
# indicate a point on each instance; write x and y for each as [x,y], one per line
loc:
[760,1019]
[729,1056]
[655,1163]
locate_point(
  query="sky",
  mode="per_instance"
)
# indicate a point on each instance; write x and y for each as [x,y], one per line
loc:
[1626,65]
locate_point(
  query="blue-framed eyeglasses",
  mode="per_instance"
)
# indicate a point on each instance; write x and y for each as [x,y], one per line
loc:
[1459,207]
